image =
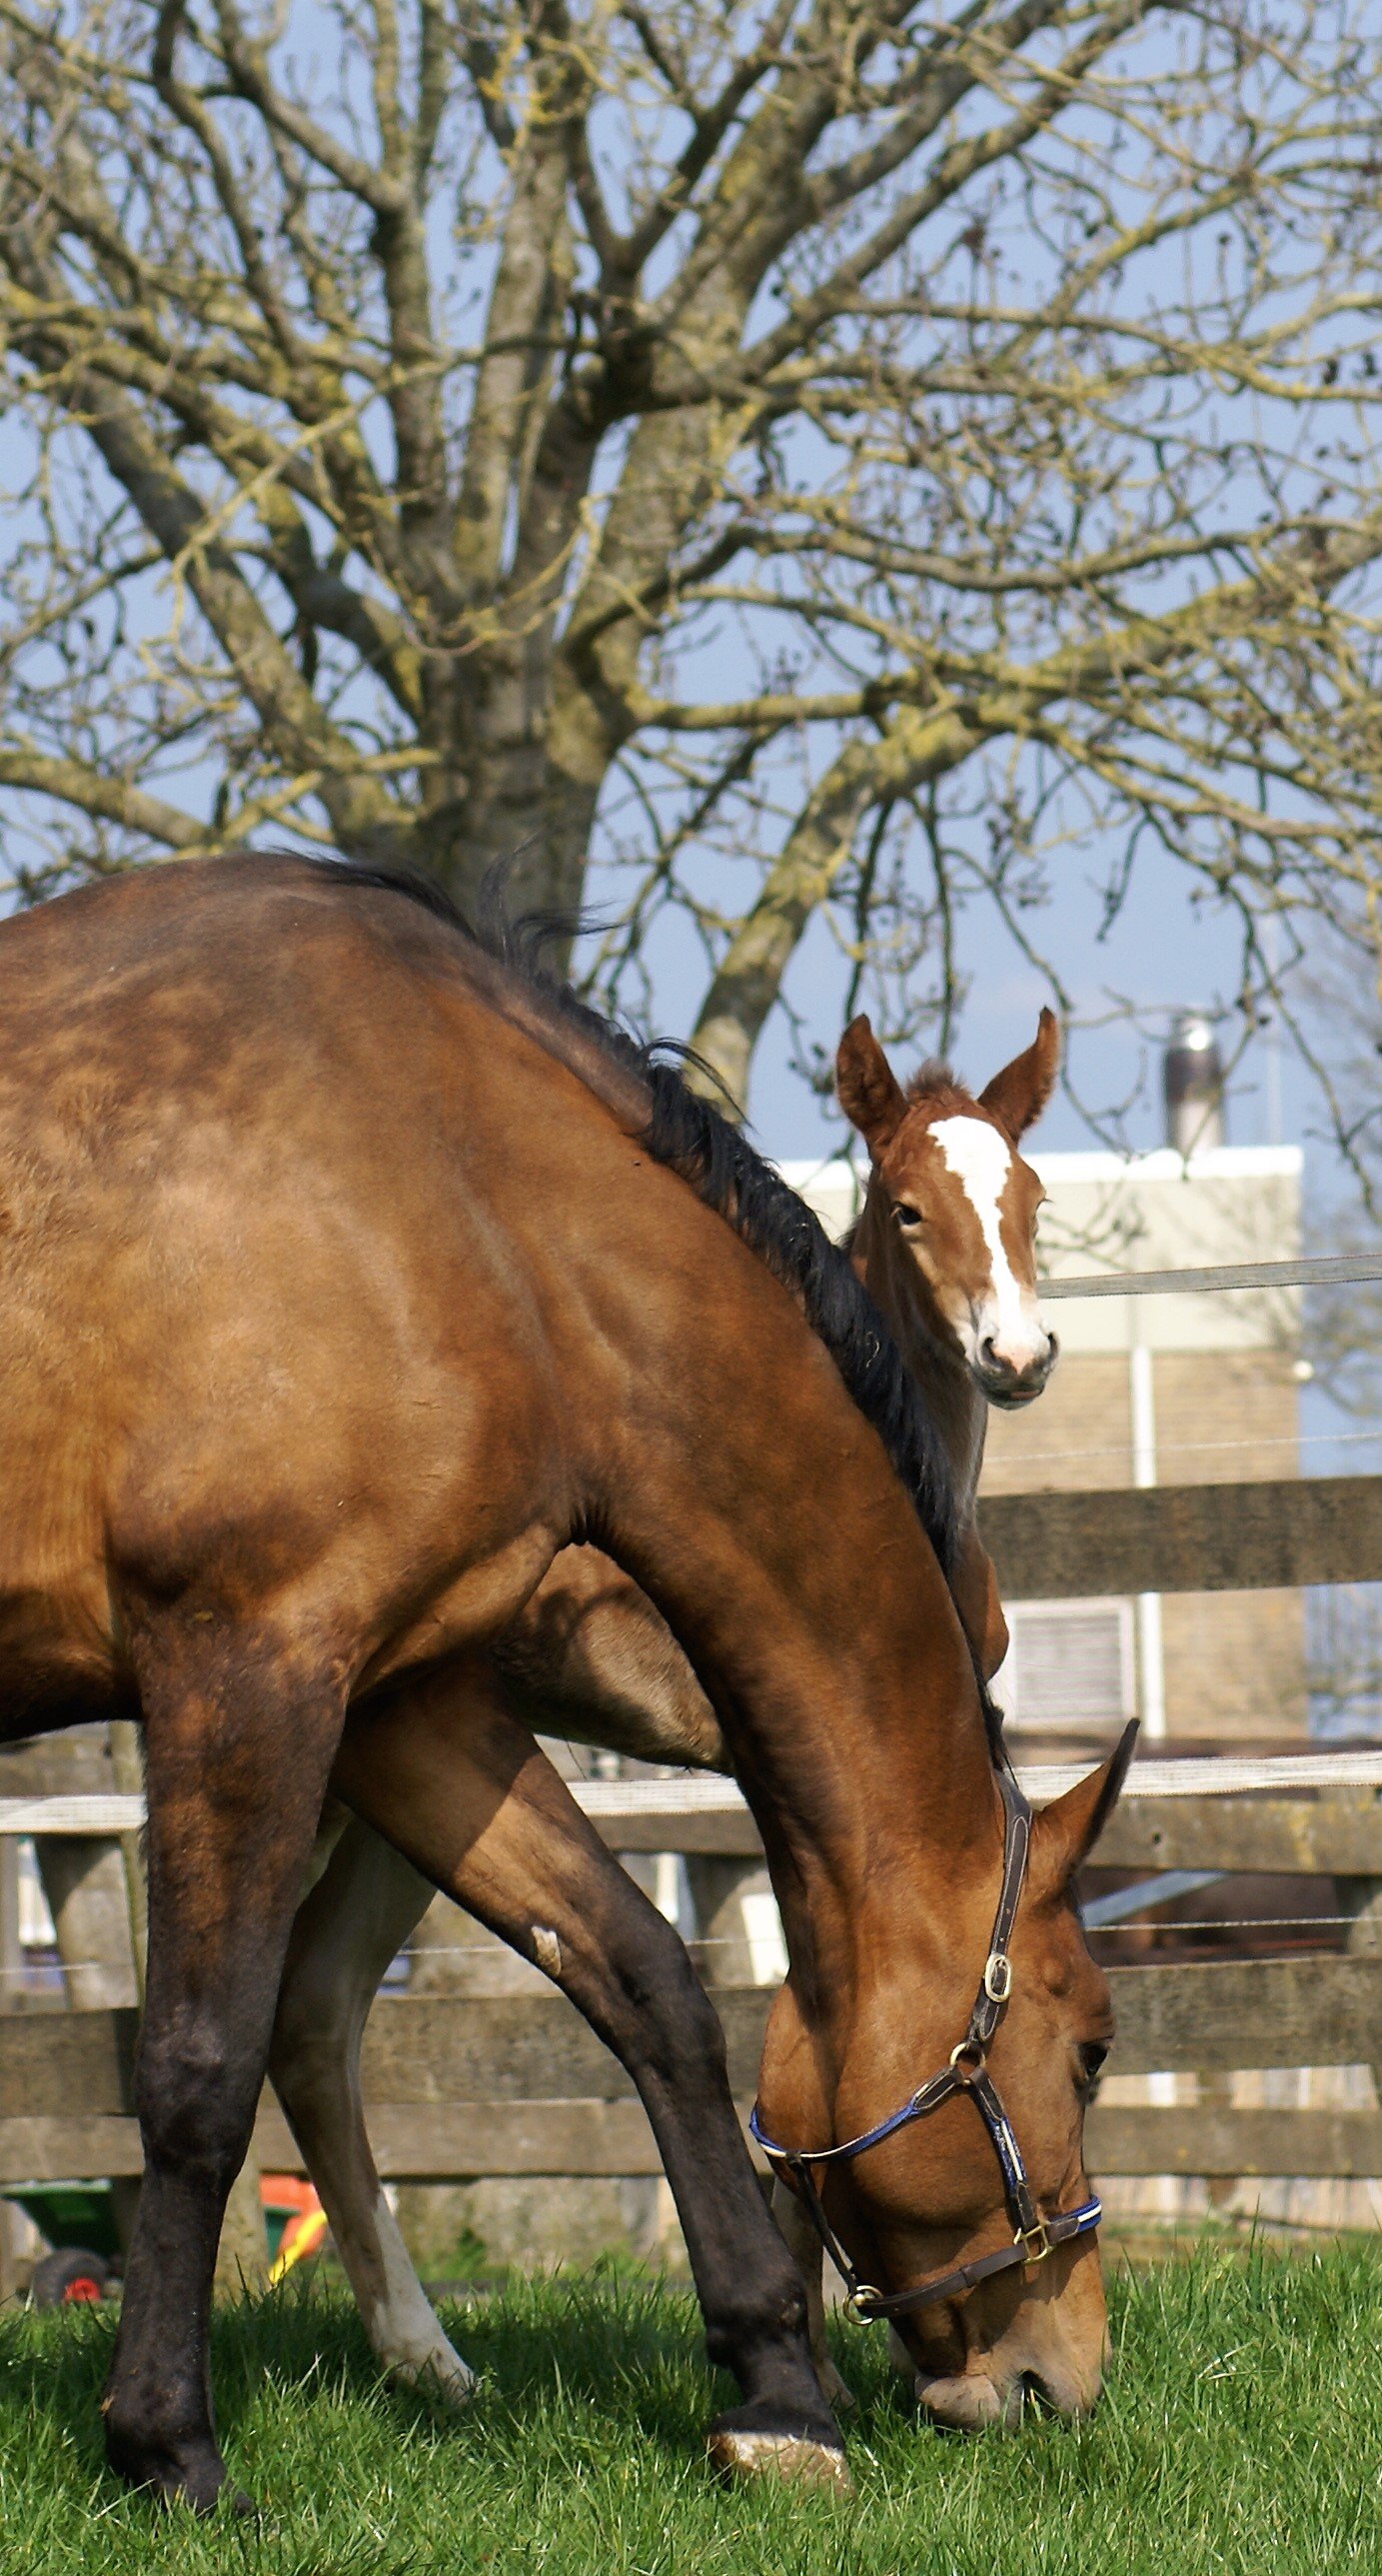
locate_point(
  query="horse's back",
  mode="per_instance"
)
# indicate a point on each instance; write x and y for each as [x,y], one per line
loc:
[256,1303]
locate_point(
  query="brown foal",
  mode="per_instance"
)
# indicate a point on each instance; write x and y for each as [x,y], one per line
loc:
[590,1659]
[346,1280]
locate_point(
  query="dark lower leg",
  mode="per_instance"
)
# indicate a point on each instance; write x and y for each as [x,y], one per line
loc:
[236,1772]
[466,1794]
[751,2293]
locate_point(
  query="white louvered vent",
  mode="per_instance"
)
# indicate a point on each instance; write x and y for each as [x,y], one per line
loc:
[1070,1664]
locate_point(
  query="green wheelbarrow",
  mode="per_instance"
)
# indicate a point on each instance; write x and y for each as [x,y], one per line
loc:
[79,2221]
[81,2224]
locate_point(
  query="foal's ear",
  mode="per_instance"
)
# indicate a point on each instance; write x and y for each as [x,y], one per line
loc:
[1065,1833]
[1017,1096]
[870,1094]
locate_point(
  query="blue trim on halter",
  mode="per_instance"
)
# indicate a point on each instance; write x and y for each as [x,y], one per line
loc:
[916,2109]
[1082,2221]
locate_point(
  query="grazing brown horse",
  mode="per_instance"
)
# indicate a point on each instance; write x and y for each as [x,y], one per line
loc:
[347,1278]
[945,1246]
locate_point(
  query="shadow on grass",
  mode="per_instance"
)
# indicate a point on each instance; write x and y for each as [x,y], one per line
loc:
[616,2348]
[610,2362]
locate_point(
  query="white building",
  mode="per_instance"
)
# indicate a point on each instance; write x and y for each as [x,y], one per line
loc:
[1170,1389]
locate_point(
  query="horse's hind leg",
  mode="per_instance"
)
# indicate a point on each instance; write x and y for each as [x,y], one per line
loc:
[453,1781]
[238,1758]
[354,1921]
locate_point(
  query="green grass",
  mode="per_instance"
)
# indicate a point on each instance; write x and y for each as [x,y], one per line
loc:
[1242,2431]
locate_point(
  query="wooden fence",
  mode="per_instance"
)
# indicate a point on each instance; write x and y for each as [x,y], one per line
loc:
[466,2088]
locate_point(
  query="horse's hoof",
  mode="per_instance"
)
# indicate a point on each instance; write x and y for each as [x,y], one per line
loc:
[779,2455]
[442,2376]
[191,2474]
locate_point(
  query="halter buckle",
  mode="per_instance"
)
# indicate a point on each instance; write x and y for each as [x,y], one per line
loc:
[998,1976]
[861,2290]
[1035,2242]
[971,2049]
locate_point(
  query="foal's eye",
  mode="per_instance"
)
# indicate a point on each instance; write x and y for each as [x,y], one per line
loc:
[906,1216]
[1091,2055]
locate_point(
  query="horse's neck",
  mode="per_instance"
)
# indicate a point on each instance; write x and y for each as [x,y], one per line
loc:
[766,1524]
[907,1306]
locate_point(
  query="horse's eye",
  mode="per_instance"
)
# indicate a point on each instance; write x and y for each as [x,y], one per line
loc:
[1091,2054]
[905,1215]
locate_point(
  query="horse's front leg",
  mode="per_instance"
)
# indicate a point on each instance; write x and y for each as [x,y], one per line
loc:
[452,1780]
[354,1921]
[239,1745]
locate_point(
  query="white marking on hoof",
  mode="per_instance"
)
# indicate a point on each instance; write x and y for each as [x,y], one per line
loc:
[442,2373]
[779,2455]
[546,1950]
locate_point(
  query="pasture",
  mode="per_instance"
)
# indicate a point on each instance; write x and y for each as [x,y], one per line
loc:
[1241,2431]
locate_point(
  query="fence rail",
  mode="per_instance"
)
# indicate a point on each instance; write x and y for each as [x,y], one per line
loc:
[473,2087]
[1279,1532]
[477,2087]
[708,1816]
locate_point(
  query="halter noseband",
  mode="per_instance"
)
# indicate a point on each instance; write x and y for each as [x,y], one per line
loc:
[967,2072]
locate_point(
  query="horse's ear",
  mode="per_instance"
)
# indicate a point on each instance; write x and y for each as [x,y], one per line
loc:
[1065,1833]
[1017,1096]
[869,1092]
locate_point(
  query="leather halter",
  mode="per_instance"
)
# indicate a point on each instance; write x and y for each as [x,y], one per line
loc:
[967,2072]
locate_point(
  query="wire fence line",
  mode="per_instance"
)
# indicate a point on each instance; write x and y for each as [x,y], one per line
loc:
[1292,1440]
[1319,1270]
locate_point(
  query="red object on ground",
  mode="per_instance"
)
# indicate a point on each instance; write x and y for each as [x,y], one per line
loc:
[306,2219]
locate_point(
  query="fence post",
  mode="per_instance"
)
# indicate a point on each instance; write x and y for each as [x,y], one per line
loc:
[1362,1899]
[723,1894]
[11,1952]
[84,1881]
[127,1775]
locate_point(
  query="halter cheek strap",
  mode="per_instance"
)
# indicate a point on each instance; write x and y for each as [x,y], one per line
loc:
[1037,2234]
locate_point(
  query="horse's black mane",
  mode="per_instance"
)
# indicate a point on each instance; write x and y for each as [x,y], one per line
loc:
[707,1151]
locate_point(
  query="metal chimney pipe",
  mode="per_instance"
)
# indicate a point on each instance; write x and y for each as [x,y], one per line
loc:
[1192,1080]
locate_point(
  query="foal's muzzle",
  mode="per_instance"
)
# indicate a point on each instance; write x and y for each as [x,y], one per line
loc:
[1010,1388]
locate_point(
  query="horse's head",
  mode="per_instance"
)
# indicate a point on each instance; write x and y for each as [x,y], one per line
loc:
[932,2200]
[961,1199]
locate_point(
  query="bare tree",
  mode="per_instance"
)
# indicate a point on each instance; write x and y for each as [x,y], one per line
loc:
[830,460]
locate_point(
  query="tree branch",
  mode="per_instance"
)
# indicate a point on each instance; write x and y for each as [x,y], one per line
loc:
[920,745]
[107,799]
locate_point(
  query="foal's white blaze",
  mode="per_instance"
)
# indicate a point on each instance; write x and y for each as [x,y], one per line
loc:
[1009,1317]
